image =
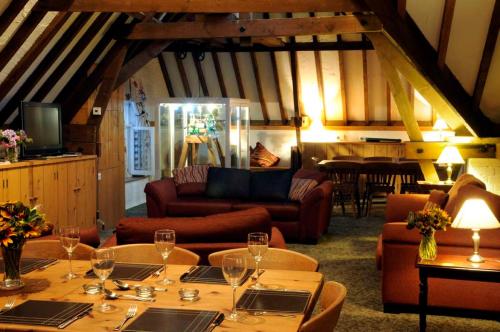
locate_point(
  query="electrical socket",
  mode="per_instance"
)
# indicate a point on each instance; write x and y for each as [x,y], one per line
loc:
[96,111]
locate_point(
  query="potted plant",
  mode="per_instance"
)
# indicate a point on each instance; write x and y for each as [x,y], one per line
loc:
[17,224]
[428,221]
[11,141]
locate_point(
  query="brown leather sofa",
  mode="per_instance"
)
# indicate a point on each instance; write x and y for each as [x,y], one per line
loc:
[398,247]
[88,236]
[202,235]
[303,221]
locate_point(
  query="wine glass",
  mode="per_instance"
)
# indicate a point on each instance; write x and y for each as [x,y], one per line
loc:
[257,246]
[165,243]
[103,262]
[234,267]
[69,237]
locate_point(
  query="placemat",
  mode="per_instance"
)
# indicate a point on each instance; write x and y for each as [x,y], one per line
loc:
[274,301]
[210,275]
[130,271]
[173,320]
[30,264]
[45,313]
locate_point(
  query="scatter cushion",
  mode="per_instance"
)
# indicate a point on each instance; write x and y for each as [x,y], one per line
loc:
[228,183]
[270,185]
[437,198]
[462,180]
[262,157]
[191,174]
[300,187]
[311,174]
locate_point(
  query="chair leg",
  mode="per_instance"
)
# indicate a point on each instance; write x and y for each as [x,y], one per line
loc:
[342,205]
[353,205]
[369,205]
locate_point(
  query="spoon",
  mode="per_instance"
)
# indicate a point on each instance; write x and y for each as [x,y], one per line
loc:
[125,286]
[113,296]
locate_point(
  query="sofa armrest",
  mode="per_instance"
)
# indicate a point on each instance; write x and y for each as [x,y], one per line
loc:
[158,194]
[399,205]
[315,212]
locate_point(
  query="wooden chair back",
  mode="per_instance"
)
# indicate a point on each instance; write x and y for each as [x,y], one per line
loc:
[275,258]
[147,253]
[347,158]
[410,173]
[380,173]
[331,301]
[342,172]
[54,249]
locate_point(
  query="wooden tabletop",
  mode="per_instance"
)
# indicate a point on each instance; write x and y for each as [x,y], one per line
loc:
[49,285]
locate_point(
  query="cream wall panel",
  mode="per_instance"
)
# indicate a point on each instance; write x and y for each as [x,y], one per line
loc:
[331,84]
[285,76]
[354,85]
[311,101]
[229,75]
[490,103]
[376,88]
[192,76]
[427,14]
[175,77]
[248,78]
[268,84]
[467,36]
[208,68]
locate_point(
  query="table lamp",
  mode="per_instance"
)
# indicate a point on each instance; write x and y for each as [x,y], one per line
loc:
[475,214]
[440,125]
[450,155]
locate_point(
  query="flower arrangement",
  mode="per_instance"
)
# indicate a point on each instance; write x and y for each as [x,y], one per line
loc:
[18,223]
[427,221]
[11,138]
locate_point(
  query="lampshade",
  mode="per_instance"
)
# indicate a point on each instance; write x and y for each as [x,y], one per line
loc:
[440,125]
[450,155]
[475,214]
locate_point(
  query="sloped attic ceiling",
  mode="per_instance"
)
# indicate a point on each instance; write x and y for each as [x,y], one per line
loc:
[62,55]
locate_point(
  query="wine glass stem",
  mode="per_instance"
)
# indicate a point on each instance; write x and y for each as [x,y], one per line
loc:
[70,265]
[103,303]
[257,270]
[165,268]
[233,312]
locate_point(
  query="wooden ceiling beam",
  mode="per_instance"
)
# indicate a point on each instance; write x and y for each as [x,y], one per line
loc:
[44,65]
[184,79]
[277,27]
[10,13]
[203,6]
[33,52]
[444,35]
[260,91]
[237,74]
[320,46]
[220,77]
[489,49]
[274,64]
[166,76]
[201,75]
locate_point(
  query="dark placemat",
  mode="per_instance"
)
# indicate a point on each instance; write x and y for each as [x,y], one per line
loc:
[45,313]
[173,320]
[130,271]
[30,264]
[210,275]
[274,301]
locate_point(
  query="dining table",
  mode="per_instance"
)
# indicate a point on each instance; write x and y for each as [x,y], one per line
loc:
[49,284]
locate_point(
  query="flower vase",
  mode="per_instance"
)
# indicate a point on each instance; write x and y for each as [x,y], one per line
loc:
[428,249]
[12,275]
[13,154]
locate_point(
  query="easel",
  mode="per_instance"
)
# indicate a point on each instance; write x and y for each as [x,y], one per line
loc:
[192,144]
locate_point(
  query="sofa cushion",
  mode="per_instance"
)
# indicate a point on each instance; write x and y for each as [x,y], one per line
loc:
[270,185]
[196,206]
[191,174]
[228,183]
[262,157]
[463,180]
[191,189]
[437,197]
[310,174]
[300,187]
[286,211]
[226,227]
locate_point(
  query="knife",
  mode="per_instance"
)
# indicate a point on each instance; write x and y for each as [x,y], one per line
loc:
[75,318]
[218,320]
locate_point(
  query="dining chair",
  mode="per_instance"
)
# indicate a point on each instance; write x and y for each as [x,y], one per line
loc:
[380,181]
[409,174]
[147,253]
[274,258]
[54,249]
[345,178]
[331,301]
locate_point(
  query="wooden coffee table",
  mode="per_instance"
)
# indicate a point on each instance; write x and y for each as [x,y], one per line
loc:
[452,267]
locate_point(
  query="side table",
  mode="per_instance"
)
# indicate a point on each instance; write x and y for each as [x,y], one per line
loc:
[425,186]
[452,267]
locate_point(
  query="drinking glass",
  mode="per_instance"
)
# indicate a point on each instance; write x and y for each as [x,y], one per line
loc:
[69,237]
[165,243]
[257,246]
[234,267]
[103,262]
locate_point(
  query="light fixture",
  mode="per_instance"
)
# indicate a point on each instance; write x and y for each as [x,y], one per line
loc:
[440,125]
[450,155]
[475,214]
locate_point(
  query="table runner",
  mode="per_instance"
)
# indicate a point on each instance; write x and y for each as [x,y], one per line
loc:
[130,271]
[172,320]
[274,301]
[30,264]
[210,275]
[45,313]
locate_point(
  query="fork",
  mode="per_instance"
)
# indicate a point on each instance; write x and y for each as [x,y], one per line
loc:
[8,305]
[132,310]
[157,274]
